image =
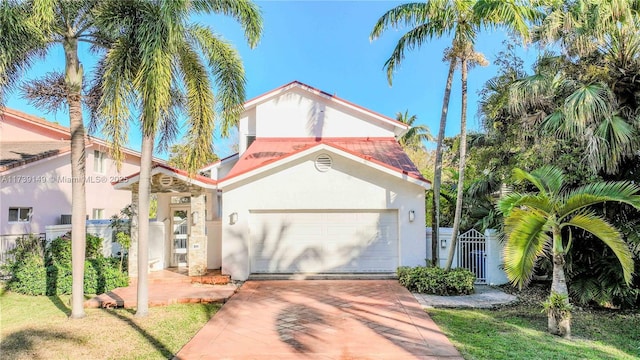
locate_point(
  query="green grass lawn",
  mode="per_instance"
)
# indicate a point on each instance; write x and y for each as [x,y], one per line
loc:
[37,327]
[519,332]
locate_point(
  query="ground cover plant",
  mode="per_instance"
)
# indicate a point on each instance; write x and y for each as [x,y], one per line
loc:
[38,327]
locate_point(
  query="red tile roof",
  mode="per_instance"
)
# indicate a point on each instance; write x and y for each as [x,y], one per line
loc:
[383,151]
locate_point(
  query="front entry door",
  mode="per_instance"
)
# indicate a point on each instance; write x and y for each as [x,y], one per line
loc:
[180,236]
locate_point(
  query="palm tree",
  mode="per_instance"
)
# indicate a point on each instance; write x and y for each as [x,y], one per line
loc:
[542,221]
[588,95]
[461,19]
[161,64]
[29,30]
[415,137]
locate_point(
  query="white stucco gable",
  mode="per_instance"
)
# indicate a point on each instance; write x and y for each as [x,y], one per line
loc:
[297,110]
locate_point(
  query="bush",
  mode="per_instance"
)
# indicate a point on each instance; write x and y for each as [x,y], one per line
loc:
[33,273]
[29,276]
[437,281]
[60,248]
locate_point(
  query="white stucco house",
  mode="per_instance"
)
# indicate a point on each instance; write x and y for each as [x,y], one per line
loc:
[319,185]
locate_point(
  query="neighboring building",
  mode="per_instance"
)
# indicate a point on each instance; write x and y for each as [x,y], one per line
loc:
[320,185]
[35,175]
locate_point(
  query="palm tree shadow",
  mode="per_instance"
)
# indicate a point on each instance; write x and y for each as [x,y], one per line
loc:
[25,343]
[159,346]
[55,299]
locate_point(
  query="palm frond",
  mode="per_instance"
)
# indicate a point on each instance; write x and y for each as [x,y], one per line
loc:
[411,40]
[515,200]
[200,108]
[48,93]
[597,193]
[589,104]
[619,139]
[531,92]
[228,73]
[154,77]
[22,43]
[527,235]
[246,12]
[548,179]
[606,232]
[168,126]
[408,15]
[117,96]
[515,15]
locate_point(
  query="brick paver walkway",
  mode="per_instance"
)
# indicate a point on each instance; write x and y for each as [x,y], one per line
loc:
[320,319]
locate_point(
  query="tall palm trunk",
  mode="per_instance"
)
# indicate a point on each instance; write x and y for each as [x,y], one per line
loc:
[144,190]
[73,80]
[462,164]
[558,323]
[437,173]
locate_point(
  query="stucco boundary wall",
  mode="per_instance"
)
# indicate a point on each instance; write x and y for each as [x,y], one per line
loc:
[494,258]
[103,229]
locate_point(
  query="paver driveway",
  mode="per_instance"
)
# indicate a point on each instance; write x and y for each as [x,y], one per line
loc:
[320,319]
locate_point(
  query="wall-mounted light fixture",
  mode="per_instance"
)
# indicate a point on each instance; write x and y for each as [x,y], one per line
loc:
[443,243]
[233,218]
[195,218]
[412,215]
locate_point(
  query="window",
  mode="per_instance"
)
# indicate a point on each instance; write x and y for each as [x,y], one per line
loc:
[98,214]
[250,140]
[219,207]
[20,214]
[98,161]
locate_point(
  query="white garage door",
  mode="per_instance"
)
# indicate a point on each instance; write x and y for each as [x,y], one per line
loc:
[324,242]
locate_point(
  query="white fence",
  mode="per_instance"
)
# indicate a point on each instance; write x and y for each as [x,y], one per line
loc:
[484,257]
[100,228]
[8,242]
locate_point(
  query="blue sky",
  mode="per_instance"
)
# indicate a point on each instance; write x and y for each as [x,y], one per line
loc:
[326,44]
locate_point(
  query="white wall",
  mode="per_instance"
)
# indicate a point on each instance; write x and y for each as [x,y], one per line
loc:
[348,185]
[214,244]
[157,256]
[494,256]
[298,113]
[103,230]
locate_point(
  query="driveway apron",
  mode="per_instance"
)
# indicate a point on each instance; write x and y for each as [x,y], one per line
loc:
[320,319]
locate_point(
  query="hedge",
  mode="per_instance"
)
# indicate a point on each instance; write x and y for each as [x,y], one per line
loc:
[437,281]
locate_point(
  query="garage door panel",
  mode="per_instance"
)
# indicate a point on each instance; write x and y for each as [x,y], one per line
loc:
[290,242]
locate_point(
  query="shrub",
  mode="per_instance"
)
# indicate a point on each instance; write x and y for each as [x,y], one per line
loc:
[33,273]
[99,277]
[60,248]
[29,276]
[437,281]
[93,249]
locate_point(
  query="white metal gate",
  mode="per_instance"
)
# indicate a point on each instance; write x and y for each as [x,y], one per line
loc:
[472,254]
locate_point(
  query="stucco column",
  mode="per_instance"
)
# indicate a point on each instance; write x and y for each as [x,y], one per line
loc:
[197,240]
[494,259]
[133,250]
